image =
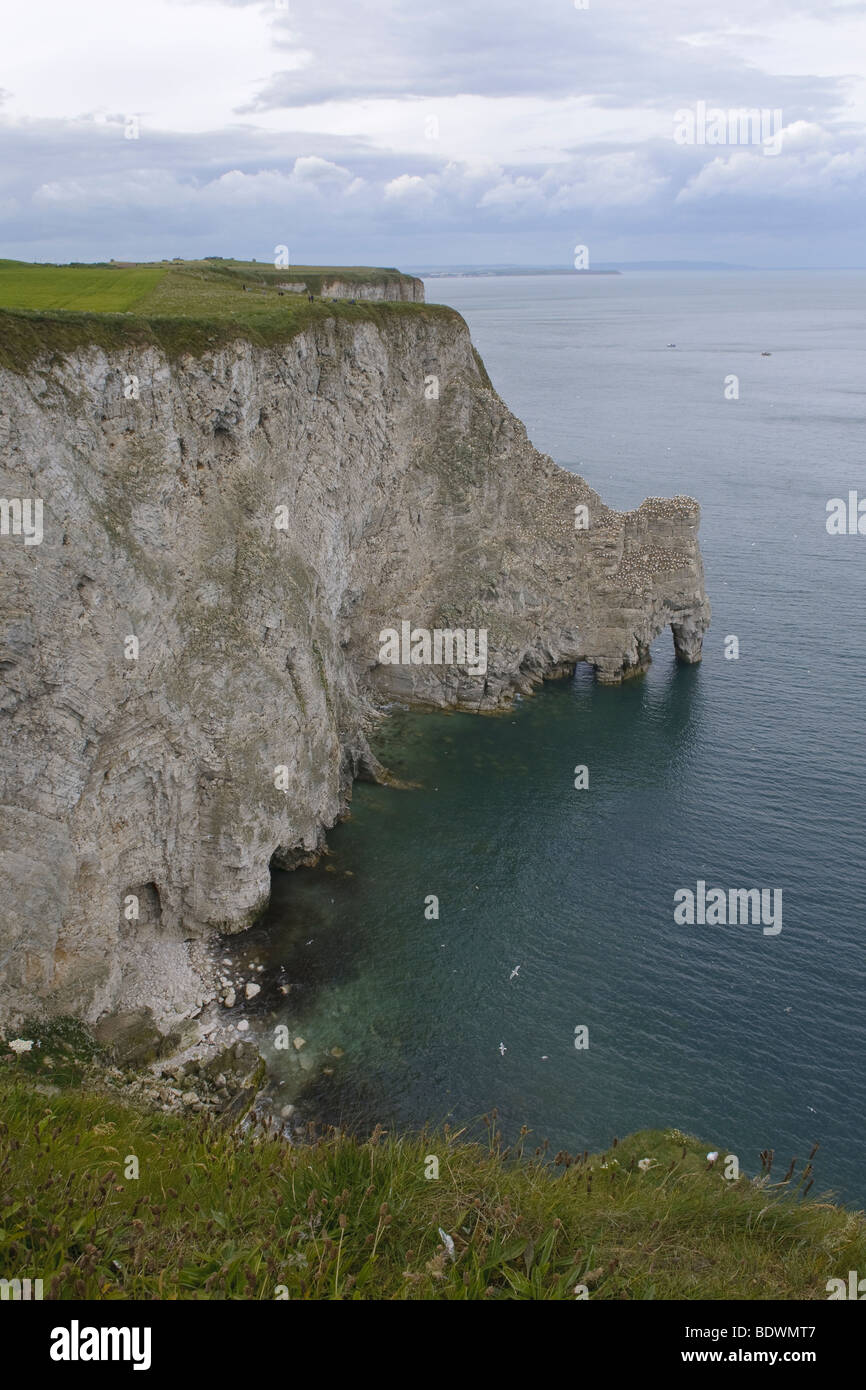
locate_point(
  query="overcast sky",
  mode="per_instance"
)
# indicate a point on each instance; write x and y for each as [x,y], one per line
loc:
[403,133]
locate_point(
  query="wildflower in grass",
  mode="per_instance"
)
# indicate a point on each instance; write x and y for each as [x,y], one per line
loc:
[20,1045]
[447,1242]
[645,1164]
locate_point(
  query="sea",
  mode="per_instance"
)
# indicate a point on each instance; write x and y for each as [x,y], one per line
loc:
[496,938]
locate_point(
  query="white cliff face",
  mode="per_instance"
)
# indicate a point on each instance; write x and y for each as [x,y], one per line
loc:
[175,777]
[407,288]
[396,287]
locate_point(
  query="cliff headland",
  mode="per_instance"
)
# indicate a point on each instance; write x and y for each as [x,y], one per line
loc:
[242,484]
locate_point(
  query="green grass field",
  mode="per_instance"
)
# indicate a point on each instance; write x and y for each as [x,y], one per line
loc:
[205,288]
[179,306]
[89,288]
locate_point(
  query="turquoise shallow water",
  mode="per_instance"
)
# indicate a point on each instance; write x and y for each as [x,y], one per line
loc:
[746,773]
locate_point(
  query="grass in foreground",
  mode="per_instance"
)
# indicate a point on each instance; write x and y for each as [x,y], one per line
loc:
[217,1215]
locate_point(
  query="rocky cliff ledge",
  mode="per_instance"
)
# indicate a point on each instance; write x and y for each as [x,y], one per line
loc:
[359,283]
[407,288]
[147,769]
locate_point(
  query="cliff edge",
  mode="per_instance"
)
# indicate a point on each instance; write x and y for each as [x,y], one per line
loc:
[190,657]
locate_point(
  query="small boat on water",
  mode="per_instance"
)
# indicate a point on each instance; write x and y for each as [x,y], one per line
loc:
[671,344]
[766,354]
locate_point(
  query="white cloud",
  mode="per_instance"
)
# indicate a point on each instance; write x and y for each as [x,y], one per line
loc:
[312,169]
[800,171]
[179,67]
[617,179]
[409,188]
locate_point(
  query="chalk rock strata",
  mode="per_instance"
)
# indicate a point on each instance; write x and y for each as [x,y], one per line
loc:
[407,287]
[258,648]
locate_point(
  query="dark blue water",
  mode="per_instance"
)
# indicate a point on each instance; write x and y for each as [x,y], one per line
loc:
[748,773]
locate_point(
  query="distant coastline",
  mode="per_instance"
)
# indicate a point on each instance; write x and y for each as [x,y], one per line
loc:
[606,268]
[482,271]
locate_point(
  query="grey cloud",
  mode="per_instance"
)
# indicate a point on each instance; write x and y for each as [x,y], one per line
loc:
[79,190]
[617,54]
[88,194]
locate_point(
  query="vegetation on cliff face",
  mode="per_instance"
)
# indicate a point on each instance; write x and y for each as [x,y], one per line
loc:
[102,1199]
[184,307]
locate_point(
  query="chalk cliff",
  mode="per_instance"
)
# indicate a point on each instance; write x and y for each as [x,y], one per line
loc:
[390,285]
[412,493]
[407,288]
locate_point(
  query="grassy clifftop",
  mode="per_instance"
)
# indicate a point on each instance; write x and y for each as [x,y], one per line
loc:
[167,286]
[181,307]
[104,1200]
